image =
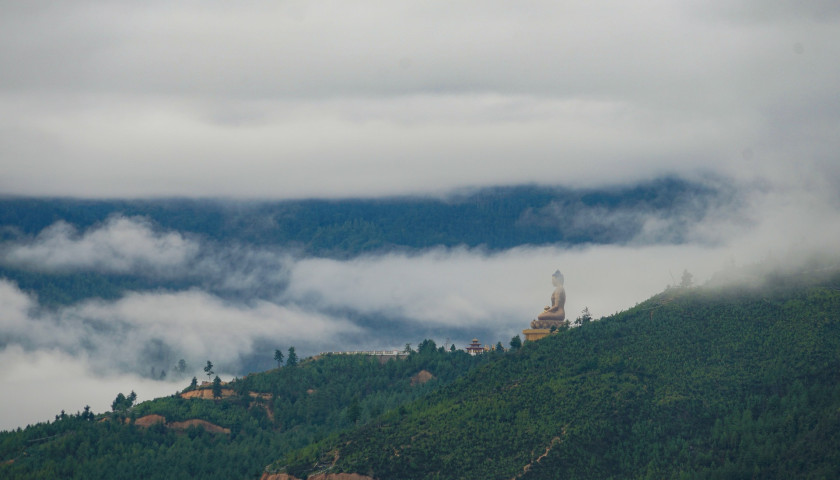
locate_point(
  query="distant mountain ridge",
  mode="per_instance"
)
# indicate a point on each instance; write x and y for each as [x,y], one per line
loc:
[494,218]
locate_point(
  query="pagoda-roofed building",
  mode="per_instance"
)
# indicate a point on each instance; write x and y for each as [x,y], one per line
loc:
[475,348]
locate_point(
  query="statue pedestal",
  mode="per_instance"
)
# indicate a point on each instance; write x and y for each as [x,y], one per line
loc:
[534,334]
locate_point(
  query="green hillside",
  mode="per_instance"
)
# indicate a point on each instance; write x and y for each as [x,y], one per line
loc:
[711,382]
[693,383]
[256,419]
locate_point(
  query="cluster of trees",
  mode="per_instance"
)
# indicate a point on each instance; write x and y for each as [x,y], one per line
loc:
[694,383]
[291,359]
[122,403]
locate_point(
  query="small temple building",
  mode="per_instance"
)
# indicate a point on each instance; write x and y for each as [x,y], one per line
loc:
[474,348]
[553,317]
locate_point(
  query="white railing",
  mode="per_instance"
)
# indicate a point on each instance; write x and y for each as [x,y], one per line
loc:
[387,353]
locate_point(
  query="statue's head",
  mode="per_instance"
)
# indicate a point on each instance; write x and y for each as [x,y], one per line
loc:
[557,278]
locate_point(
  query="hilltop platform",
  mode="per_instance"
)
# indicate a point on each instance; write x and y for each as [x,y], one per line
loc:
[533,334]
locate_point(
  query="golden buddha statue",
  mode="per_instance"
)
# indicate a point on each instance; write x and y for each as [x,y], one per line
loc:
[553,315]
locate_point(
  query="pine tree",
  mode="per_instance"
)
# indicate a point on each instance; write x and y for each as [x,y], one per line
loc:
[217,387]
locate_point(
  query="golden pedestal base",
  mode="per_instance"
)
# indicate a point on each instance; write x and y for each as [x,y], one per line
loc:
[533,334]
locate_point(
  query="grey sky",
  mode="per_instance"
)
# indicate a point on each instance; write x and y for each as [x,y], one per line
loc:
[331,98]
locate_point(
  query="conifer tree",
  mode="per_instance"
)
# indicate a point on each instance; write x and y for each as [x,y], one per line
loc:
[217,387]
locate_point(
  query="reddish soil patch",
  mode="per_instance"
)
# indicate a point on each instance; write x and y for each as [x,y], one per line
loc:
[149,420]
[210,427]
[421,377]
[207,393]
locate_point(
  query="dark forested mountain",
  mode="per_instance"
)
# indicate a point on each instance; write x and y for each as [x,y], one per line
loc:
[721,381]
[693,383]
[492,219]
[496,218]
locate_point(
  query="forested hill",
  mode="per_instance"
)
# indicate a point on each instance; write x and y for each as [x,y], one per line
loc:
[726,382]
[233,432]
[704,382]
[495,218]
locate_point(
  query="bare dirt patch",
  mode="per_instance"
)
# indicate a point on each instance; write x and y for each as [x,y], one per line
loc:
[421,377]
[149,420]
[207,393]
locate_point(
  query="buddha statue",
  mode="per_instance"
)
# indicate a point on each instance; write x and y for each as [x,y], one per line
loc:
[553,315]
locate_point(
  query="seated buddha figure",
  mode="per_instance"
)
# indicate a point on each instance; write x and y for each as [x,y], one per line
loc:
[553,315]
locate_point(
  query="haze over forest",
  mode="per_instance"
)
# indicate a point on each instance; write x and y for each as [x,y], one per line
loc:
[158,164]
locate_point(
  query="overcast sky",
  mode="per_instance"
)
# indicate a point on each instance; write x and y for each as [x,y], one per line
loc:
[336,98]
[291,99]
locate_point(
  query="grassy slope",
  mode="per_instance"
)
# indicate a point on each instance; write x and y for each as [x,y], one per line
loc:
[716,383]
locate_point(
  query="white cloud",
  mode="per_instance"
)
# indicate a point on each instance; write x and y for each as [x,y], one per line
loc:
[37,385]
[120,245]
[144,330]
[196,325]
[502,291]
[505,290]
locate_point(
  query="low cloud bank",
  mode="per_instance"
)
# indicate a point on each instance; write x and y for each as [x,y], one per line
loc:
[145,331]
[119,245]
[37,385]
